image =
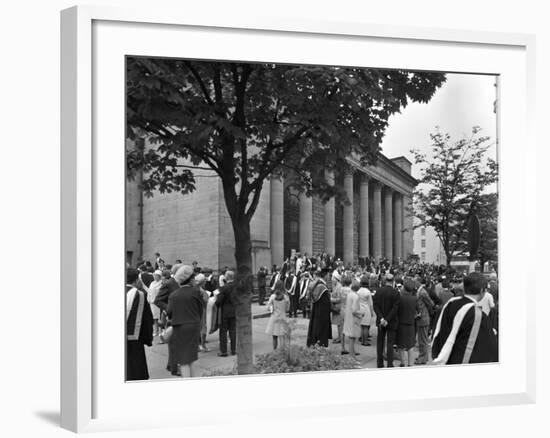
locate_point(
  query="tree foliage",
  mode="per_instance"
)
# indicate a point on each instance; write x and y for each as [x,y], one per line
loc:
[487,212]
[247,121]
[453,185]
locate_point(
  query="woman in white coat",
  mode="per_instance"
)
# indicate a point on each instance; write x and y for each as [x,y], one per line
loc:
[367,307]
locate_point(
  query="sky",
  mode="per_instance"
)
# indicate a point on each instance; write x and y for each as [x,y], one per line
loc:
[463,101]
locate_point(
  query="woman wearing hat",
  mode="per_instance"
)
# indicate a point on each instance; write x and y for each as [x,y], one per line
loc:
[185,308]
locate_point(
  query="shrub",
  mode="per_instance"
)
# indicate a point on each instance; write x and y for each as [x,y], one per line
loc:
[299,359]
[302,359]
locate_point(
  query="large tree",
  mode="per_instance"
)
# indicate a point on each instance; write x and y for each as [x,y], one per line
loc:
[247,122]
[453,185]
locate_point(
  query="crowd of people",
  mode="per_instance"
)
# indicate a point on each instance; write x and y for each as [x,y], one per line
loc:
[410,304]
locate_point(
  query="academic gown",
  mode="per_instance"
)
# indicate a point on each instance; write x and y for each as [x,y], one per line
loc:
[319,329]
[485,348]
[139,332]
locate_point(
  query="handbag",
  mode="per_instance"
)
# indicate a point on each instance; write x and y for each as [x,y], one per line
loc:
[166,335]
[163,320]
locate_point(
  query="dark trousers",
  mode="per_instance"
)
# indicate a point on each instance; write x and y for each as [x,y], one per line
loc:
[387,334]
[261,295]
[304,307]
[228,324]
[423,344]
[294,305]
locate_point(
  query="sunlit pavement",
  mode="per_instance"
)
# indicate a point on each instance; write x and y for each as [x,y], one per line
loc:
[157,355]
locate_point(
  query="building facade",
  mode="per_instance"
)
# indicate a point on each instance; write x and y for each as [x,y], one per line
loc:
[196,226]
[428,247]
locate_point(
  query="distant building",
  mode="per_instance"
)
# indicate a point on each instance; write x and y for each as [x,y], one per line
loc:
[428,247]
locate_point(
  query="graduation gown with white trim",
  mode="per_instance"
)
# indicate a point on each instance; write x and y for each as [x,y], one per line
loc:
[139,332]
[485,348]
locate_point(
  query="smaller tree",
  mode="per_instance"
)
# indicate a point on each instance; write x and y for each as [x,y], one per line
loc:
[487,212]
[455,177]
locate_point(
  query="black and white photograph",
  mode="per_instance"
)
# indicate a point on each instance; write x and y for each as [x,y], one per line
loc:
[288,218]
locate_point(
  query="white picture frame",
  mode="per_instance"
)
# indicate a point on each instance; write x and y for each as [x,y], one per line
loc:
[85,175]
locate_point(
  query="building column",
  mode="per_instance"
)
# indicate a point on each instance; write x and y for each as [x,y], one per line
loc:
[306,224]
[330,221]
[277,221]
[388,225]
[364,217]
[377,221]
[408,235]
[398,226]
[348,219]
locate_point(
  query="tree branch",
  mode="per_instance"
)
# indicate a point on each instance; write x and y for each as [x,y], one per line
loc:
[255,202]
[198,78]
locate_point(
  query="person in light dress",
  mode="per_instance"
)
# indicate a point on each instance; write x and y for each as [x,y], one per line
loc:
[278,305]
[352,314]
[152,292]
[366,305]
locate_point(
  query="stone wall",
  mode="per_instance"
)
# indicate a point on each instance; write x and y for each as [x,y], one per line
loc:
[132,219]
[183,226]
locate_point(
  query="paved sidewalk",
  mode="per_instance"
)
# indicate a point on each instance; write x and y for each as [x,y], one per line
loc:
[157,355]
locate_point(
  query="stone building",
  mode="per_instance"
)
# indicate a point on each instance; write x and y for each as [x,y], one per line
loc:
[197,226]
[428,247]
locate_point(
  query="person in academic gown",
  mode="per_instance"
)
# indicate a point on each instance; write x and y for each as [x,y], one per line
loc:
[320,328]
[291,287]
[275,276]
[303,290]
[139,328]
[464,333]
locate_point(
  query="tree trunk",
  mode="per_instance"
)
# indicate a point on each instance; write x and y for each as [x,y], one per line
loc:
[448,256]
[243,296]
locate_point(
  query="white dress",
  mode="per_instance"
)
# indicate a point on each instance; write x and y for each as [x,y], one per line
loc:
[352,326]
[152,293]
[365,303]
[276,326]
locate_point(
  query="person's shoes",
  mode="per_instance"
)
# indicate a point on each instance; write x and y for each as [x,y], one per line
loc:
[345,352]
[336,341]
[205,349]
[222,354]
[402,365]
[201,349]
[419,363]
[233,353]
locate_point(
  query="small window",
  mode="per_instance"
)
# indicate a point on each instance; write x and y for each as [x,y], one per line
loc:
[423,243]
[423,231]
[423,256]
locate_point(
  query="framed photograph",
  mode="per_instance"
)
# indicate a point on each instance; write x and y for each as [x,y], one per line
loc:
[322,208]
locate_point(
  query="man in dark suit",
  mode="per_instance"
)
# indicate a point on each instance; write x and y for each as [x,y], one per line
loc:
[224,301]
[386,303]
[159,263]
[262,279]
